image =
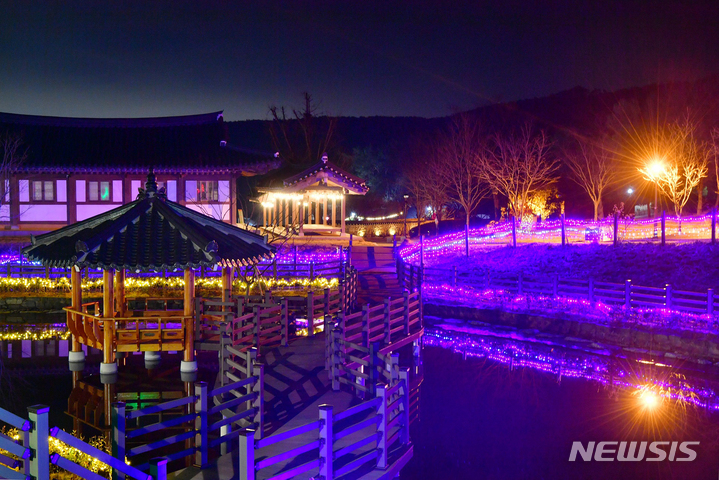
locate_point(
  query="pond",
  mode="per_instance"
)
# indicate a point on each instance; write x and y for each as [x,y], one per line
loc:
[504,408]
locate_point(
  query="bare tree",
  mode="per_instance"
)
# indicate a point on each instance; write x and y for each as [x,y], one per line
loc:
[518,164]
[591,167]
[304,135]
[715,154]
[458,164]
[14,155]
[419,180]
[685,164]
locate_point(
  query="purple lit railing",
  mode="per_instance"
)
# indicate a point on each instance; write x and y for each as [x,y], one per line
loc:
[576,231]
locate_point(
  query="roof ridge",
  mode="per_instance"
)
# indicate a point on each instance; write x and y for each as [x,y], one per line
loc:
[87,122]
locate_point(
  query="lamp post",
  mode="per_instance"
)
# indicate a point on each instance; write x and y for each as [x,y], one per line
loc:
[406,197]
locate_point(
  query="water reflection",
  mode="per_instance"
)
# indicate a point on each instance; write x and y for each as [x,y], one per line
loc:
[505,408]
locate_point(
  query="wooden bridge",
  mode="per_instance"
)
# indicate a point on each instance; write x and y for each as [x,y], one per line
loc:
[331,400]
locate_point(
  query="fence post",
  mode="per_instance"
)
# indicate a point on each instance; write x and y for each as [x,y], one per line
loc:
[668,295]
[627,293]
[394,368]
[158,468]
[404,429]
[225,341]
[411,278]
[199,310]
[247,455]
[201,440]
[365,325]
[274,268]
[259,401]
[405,313]
[374,362]
[335,359]
[454,275]
[381,391]
[310,313]
[118,436]
[564,235]
[714,225]
[710,301]
[591,290]
[312,271]
[285,323]
[555,285]
[326,309]
[387,332]
[326,437]
[616,228]
[256,327]
[664,227]
[514,231]
[39,444]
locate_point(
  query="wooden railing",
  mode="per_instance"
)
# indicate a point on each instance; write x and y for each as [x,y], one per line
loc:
[130,334]
[376,430]
[29,457]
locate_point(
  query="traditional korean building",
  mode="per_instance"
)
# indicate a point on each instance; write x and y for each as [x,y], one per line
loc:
[311,201]
[76,168]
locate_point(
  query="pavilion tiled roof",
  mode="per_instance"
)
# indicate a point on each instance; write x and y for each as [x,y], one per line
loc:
[192,143]
[150,233]
[341,176]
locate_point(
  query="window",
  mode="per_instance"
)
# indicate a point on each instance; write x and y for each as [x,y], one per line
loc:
[207,191]
[98,192]
[43,191]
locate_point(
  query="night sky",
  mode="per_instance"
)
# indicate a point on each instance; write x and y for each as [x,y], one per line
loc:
[157,58]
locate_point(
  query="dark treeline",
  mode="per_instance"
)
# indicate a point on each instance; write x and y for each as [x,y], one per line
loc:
[382,149]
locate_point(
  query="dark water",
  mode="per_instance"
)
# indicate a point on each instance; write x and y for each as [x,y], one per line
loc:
[481,419]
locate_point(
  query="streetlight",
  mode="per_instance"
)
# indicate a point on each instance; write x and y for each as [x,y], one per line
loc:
[406,197]
[630,190]
[653,171]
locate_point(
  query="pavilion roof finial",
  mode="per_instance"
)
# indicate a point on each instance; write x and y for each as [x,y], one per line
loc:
[151,189]
[325,158]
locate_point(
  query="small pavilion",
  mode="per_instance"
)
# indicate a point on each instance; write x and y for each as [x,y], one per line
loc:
[312,200]
[149,234]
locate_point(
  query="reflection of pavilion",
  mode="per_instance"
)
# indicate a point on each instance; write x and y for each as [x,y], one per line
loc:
[151,233]
[313,200]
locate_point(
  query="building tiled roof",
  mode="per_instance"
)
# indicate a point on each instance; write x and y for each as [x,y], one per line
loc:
[131,145]
[353,182]
[150,233]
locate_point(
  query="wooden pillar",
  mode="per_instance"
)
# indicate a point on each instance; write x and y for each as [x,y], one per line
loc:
[325,214]
[301,208]
[108,313]
[342,201]
[336,211]
[264,216]
[226,285]
[120,292]
[76,288]
[317,211]
[285,213]
[189,364]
